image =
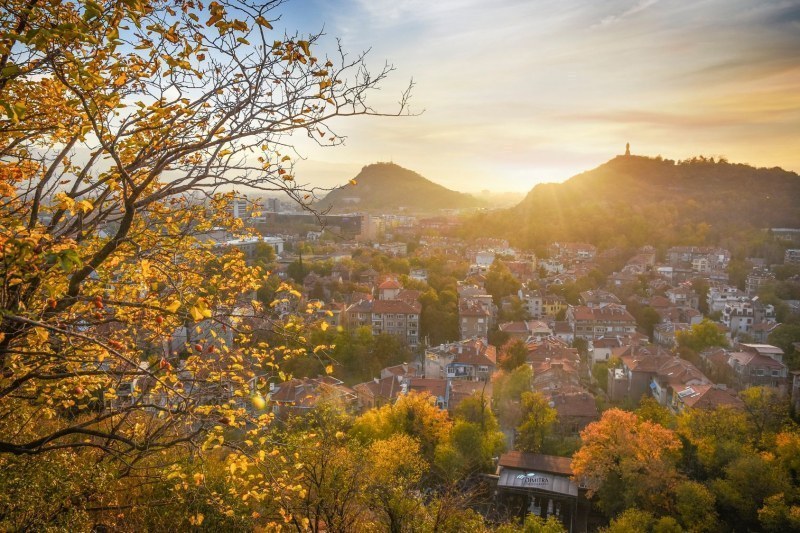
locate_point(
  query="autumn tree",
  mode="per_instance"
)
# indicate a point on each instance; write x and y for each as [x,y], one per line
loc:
[413,414]
[125,125]
[627,462]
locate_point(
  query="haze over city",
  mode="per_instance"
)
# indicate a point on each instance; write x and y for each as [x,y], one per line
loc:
[515,93]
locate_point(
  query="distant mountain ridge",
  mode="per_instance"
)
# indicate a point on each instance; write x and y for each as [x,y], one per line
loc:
[635,200]
[388,187]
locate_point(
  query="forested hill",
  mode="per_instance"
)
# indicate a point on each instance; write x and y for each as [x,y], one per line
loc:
[633,200]
[386,187]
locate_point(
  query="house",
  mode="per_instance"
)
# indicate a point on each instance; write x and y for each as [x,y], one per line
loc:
[705,396]
[741,315]
[398,318]
[598,298]
[712,257]
[639,364]
[439,389]
[301,395]
[673,375]
[665,334]
[683,296]
[761,331]
[572,251]
[395,317]
[720,295]
[754,369]
[600,349]
[552,305]
[576,409]
[527,329]
[389,289]
[379,391]
[532,300]
[461,389]
[472,359]
[756,279]
[473,320]
[591,323]
[553,375]
[551,349]
[402,370]
[562,330]
[368,277]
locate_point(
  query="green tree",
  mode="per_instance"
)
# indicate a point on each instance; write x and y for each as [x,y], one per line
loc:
[507,390]
[700,336]
[695,507]
[513,355]
[500,282]
[537,422]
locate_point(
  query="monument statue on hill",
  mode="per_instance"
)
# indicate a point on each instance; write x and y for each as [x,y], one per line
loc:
[627,149]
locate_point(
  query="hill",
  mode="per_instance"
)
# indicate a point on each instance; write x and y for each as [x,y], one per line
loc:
[634,200]
[387,187]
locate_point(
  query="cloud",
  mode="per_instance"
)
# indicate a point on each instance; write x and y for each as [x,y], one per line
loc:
[636,8]
[533,83]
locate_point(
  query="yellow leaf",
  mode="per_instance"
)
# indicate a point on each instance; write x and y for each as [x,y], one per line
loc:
[173,306]
[261,21]
[323,326]
[225,152]
[259,402]
[145,268]
[197,315]
[305,46]
[121,79]
[329,369]
[353,182]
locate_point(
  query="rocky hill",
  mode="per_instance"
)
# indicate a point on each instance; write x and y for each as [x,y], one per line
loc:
[633,200]
[386,187]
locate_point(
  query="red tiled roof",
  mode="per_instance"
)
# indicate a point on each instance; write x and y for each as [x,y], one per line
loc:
[396,306]
[436,387]
[389,387]
[470,308]
[390,284]
[709,397]
[581,404]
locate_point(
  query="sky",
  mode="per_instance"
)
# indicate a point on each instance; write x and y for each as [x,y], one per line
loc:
[511,93]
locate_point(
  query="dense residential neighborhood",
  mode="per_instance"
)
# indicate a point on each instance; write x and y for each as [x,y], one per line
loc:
[668,326]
